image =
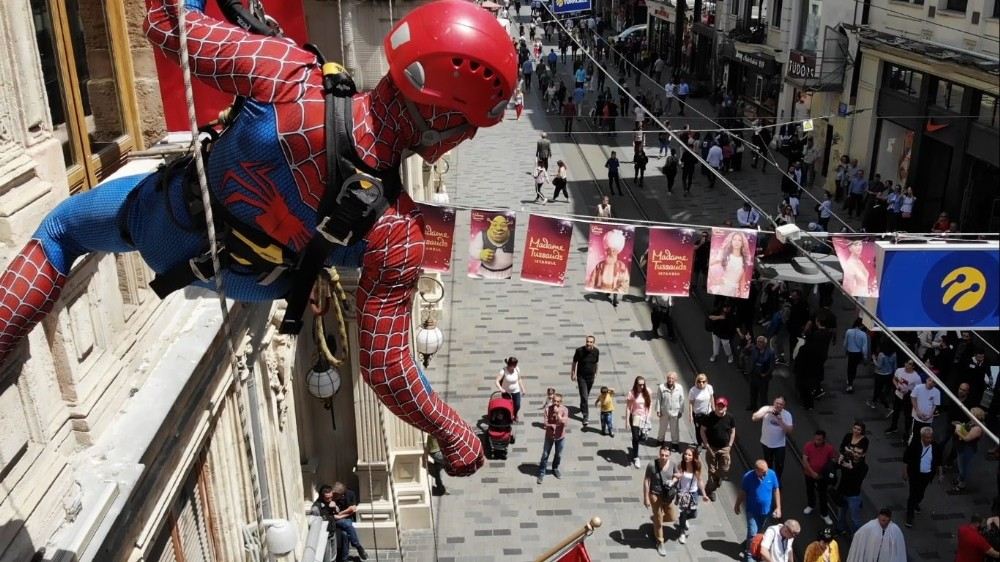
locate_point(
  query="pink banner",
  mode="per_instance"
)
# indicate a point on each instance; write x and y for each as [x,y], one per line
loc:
[730,263]
[669,261]
[491,244]
[546,250]
[857,259]
[609,258]
[439,236]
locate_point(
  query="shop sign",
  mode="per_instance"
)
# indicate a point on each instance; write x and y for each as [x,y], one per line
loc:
[801,65]
[751,59]
[570,6]
[660,10]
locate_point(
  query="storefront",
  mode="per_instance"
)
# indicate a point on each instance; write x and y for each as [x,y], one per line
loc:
[754,78]
[702,63]
[661,28]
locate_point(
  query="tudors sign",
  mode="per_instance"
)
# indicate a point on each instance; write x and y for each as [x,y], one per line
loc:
[801,65]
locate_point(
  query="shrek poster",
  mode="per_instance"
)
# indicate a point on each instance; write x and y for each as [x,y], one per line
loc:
[491,244]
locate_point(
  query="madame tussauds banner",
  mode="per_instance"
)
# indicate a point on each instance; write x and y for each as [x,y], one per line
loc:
[546,250]
[439,236]
[669,262]
[491,244]
[609,257]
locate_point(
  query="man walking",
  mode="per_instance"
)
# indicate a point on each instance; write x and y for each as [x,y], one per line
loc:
[776,425]
[879,539]
[776,545]
[718,433]
[682,94]
[816,456]
[760,371]
[556,416]
[925,401]
[670,89]
[659,314]
[761,492]
[670,408]
[583,373]
[658,493]
[614,179]
[921,461]
[688,164]
[569,114]
[527,69]
[856,347]
[543,151]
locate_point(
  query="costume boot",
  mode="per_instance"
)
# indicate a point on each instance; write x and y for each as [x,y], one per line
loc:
[28,289]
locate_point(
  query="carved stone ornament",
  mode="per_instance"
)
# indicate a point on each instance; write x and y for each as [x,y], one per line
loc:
[278,360]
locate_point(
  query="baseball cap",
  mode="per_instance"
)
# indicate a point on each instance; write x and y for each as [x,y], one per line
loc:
[722,400]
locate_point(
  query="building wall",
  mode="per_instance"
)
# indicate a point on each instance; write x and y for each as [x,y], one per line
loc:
[955,29]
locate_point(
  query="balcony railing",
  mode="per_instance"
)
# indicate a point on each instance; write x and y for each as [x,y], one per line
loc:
[749,32]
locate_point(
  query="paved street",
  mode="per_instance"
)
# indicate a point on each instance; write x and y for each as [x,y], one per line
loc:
[501,513]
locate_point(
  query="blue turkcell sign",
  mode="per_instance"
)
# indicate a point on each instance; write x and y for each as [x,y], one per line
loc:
[570,6]
[940,288]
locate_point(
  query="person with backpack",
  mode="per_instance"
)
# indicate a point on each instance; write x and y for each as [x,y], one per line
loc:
[775,545]
[760,492]
[659,490]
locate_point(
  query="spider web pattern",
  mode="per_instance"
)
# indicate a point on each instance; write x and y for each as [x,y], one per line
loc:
[266,69]
[28,289]
[390,270]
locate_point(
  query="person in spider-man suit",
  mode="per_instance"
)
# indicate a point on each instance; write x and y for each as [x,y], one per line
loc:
[452,69]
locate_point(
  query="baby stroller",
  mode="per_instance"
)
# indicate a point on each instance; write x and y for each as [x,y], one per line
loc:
[499,425]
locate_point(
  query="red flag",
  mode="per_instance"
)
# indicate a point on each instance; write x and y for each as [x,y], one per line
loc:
[546,250]
[439,234]
[670,257]
[576,554]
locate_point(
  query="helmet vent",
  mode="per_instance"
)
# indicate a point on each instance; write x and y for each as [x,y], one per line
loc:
[496,82]
[473,66]
[488,73]
[457,62]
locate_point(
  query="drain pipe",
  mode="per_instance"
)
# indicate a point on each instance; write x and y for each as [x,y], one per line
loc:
[258,443]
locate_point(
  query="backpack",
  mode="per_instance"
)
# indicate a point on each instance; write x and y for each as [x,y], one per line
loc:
[755,546]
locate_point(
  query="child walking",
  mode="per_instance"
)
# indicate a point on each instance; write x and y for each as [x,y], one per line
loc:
[606,401]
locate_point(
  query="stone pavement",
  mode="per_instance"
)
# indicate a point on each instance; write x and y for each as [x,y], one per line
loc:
[500,513]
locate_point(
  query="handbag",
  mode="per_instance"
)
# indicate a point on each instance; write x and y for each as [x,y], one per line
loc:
[669,493]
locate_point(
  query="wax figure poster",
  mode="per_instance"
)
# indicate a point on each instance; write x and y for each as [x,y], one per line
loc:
[546,250]
[439,236]
[730,262]
[491,244]
[609,258]
[857,259]
[669,261]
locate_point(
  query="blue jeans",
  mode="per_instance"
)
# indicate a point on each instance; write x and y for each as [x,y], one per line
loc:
[965,457]
[348,538]
[607,422]
[546,449]
[849,519]
[516,397]
[755,524]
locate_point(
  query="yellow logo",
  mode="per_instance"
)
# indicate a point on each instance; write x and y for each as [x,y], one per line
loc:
[966,287]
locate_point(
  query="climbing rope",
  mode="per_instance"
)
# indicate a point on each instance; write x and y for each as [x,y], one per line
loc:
[238,367]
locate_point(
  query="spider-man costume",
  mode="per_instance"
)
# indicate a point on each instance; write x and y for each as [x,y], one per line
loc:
[452,69]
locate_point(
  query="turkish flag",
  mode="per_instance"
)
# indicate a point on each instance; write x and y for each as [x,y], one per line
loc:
[576,554]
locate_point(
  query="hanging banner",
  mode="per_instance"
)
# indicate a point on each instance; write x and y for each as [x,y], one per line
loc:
[669,261]
[857,260]
[609,258]
[546,250]
[560,7]
[491,244]
[939,286]
[439,236]
[730,263]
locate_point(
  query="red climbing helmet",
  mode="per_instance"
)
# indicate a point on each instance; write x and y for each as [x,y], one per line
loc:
[455,55]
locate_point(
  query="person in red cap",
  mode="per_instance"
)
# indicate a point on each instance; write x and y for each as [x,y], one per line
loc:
[305,198]
[718,433]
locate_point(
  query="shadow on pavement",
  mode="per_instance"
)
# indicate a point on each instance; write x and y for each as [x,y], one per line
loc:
[644,335]
[528,468]
[615,456]
[642,537]
[729,549]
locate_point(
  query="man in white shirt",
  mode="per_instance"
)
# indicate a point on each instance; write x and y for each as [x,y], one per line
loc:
[776,545]
[925,399]
[776,425]
[714,160]
[747,216]
[905,379]
[640,116]
[670,408]
[670,89]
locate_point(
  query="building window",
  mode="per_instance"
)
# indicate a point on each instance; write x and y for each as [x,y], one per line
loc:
[949,96]
[903,80]
[996,9]
[82,45]
[988,111]
[776,18]
[810,25]
[957,5]
[734,7]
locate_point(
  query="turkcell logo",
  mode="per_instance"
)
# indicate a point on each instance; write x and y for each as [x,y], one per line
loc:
[941,289]
[567,6]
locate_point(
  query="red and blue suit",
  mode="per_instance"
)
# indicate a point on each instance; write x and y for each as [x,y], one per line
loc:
[269,170]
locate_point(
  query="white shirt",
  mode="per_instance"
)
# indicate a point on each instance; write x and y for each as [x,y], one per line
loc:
[909,381]
[747,218]
[639,113]
[701,399]
[776,545]
[511,380]
[670,88]
[772,435]
[714,157]
[927,399]
[687,483]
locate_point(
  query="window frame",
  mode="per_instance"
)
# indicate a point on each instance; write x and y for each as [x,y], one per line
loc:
[89,167]
[948,5]
[778,6]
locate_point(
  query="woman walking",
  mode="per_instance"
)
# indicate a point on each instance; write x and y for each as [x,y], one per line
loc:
[637,414]
[690,488]
[509,381]
[967,437]
[701,397]
[518,102]
[559,182]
